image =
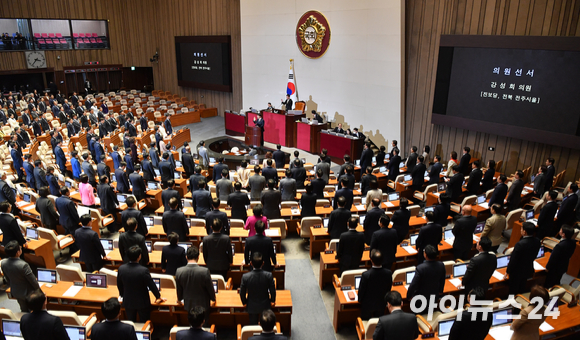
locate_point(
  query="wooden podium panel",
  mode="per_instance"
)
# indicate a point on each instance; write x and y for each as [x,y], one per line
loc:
[340,145]
[235,124]
[279,128]
[308,136]
[253,135]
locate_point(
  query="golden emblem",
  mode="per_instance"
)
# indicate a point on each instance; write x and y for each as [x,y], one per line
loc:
[311,34]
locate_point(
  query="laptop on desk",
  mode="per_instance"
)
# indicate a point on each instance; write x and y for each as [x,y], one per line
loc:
[459,270]
[107,245]
[444,328]
[143,335]
[11,329]
[46,276]
[76,332]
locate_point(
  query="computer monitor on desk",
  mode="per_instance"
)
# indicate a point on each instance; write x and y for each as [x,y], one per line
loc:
[76,332]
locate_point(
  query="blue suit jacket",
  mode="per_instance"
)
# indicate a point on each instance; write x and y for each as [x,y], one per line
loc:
[16,159]
[129,162]
[116,159]
[168,127]
[53,185]
[76,167]
[29,174]
[60,158]
[194,333]
[154,158]
[122,181]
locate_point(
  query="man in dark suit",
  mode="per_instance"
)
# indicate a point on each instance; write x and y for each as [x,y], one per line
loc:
[220,215]
[166,169]
[6,193]
[540,182]
[29,168]
[122,179]
[401,219]
[188,163]
[418,174]
[108,199]
[351,246]
[116,157]
[317,184]
[169,193]
[174,220]
[139,188]
[435,170]
[560,258]
[257,290]
[454,184]
[128,160]
[112,328]
[9,225]
[366,158]
[472,325]
[514,196]
[566,213]
[195,178]
[148,171]
[429,277]
[550,172]
[279,157]
[87,240]
[371,223]
[53,185]
[480,267]
[393,166]
[131,211]
[464,162]
[167,124]
[224,186]
[16,155]
[397,324]
[299,174]
[546,218]
[412,160]
[262,244]
[268,322]
[196,317]
[201,200]
[238,202]
[338,220]
[429,235]
[154,155]
[271,200]
[345,192]
[500,191]
[89,170]
[385,240]
[521,265]
[172,255]
[463,232]
[194,286]
[270,173]
[475,177]
[365,181]
[39,324]
[217,169]
[130,238]
[257,183]
[18,275]
[287,104]
[217,250]
[45,207]
[375,283]
[487,181]
[133,280]
[442,209]
[69,217]
[339,129]
[102,168]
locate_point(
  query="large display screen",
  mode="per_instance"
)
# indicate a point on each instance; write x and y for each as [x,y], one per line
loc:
[204,62]
[523,87]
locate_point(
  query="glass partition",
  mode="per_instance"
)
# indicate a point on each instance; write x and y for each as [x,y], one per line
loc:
[15,35]
[90,34]
[51,34]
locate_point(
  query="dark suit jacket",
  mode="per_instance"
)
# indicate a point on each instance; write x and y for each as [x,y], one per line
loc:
[198,334]
[166,169]
[20,277]
[464,163]
[366,159]
[136,279]
[560,258]
[299,174]
[48,215]
[515,194]
[40,178]
[308,203]
[365,183]
[130,238]
[133,212]
[539,185]
[463,232]
[174,222]
[318,185]
[411,162]
[108,198]
[371,223]
[435,172]
[172,258]
[487,181]
[400,222]
[10,229]
[217,252]
[397,326]
[468,329]
[217,171]
[188,164]
[201,202]
[454,186]
[429,280]
[271,200]
[386,240]
[441,214]
[479,271]
[418,176]
[348,195]
[69,217]
[270,173]
[429,234]
[374,285]
[113,330]
[194,180]
[89,244]
[393,167]
[194,286]
[41,325]
[549,177]
[499,194]
[265,246]
[280,158]
[154,157]
[238,201]
[220,215]
[257,291]
[546,219]
[122,181]
[521,263]
[473,183]
[566,213]
[167,194]
[139,189]
[350,250]
[338,222]
[148,171]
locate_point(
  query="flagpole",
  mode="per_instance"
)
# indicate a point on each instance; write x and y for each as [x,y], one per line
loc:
[295,84]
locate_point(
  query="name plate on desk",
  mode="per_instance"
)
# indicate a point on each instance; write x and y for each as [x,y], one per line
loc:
[343,288]
[398,283]
[329,251]
[427,335]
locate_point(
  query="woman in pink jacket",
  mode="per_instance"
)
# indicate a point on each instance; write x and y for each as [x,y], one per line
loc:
[251,221]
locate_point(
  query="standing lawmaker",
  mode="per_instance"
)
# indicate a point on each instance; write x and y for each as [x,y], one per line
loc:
[259,122]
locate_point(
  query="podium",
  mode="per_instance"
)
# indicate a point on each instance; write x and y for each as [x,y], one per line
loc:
[253,135]
[279,127]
